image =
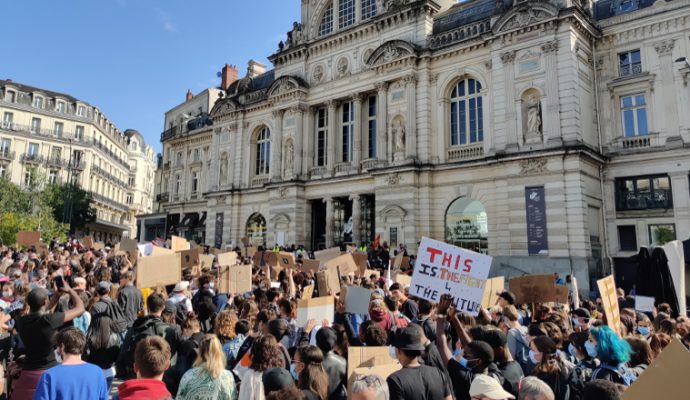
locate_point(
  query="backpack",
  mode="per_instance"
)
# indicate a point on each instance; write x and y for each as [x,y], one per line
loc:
[580,375]
[125,361]
[116,315]
[625,375]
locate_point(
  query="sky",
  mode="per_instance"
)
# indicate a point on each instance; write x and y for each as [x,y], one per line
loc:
[135,59]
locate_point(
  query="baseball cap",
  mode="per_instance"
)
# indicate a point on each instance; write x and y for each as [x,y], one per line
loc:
[487,386]
[181,286]
[275,379]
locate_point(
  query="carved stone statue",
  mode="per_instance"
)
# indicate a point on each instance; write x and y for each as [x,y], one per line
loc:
[289,158]
[533,116]
[399,136]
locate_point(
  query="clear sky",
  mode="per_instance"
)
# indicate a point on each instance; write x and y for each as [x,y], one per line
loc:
[135,59]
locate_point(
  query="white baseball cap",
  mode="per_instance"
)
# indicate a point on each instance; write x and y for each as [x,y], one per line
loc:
[181,286]
[485,385]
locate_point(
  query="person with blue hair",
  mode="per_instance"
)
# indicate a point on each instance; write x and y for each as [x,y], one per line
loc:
[613,352]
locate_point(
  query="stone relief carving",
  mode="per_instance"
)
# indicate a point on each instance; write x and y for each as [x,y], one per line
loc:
[282,192]
[390,5]
[399,135]
[367,54]
[224,169]
[342,67]
[393,179]
[665,47]
[508,57]
[390,53]
[532,166]
[318,73]
[289,158]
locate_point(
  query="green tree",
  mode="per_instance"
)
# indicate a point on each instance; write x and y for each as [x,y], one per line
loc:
[13,198]
[55,196]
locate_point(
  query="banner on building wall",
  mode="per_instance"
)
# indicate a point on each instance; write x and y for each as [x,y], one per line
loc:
[218,238]
[535,205]
[443,268]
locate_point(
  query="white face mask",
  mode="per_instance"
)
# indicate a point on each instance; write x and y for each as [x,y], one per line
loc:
[392,352]
[6,294]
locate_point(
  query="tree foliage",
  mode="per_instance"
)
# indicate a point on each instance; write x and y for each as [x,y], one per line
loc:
[55,197]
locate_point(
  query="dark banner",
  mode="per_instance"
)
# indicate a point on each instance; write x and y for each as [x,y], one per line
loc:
[219,230]
[537,238]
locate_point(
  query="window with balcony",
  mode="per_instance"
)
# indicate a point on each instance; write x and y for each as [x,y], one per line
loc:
[35,125]
[644,193]
[346,13]
[59,128]
[368,9]
[634,115]
[52,177]
[321,136]
[195,182]
[38,102]
[33,149]
[197,155]
[326,25]
[629,63]
[7,119]
[130,199]
[60,107]
[79,132]
[263,152]
[10,96]
[5,146]
[627,238]
[348,120]
[77,156]
[466,113]
[371,126]
[132,181]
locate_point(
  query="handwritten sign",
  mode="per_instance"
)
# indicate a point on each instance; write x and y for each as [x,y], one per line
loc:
[609,299]
[644,303]
[443,268]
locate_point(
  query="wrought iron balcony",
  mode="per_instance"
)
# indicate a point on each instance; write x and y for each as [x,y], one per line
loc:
[7,155]
[27,158]
[170,133]
[56,162]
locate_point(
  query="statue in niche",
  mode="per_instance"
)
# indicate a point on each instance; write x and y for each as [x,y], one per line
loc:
[289,158]
[399,135]
[224,169]
[533,116]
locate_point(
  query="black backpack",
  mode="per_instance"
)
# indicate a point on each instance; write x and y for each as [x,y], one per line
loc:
[125,361]
[116,315]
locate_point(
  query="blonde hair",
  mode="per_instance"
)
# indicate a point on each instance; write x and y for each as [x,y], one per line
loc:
[211,357]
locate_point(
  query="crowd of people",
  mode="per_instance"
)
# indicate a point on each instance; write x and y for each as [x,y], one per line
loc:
[76,324]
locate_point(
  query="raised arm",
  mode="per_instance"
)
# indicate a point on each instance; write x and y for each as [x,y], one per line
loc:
[78,309]
[441,340]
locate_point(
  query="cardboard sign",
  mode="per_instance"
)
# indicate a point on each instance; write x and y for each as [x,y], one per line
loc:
[258,258]
[249,251]
[235,279]
[345,264]
[397,261]
[99,246]
[158,270]
[206,260]
[318,308]
[271,258]
[87,241]
[42,249]
[357,300]
[609,299]
[492,287]
[179,244]
[190,258]
[362,260]
[364,357]
[130,247]
[377,274]
[328,254]
[157,251]
[666,378]
[28,238]
[443,268]
[275,272]
[227,259]
[307,292]
[145,249]
[404,280]
[533,288]
[311,265]
[561,294]
[328,281]
[286,259]
[644,303]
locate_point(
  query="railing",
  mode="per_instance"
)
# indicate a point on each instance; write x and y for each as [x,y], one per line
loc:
[260,180]
[465,152]
[169,133]
[344,167]
[32,159]
[319,171]
[637,142]
[372,163]
[107,175]
[659,199]
[109,202]
[7,155]
[44,132]
[56,162]
[629,70]
[110,153]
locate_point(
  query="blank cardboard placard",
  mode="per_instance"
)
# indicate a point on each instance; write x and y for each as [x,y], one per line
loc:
[131,248]
[87,241]
[286,259]
[368,273]
[561,292]
[345,264]
[666,378]
[307,292]
[28,238]
[157,251]
[271,258]
[361,357]
[362,260]
[318,308]
[258,258]
[357,300]
[328,254]
[223,279]
[328,281]
[98,246]
[533,288]
[397,261]
[42,249]
[609,299]
[245,241]
[190,258]
[403,279]
[311,265]
[159,270]
[492,288]
[206,260]
[227,259]
[240,279]
[179,244]
[644,303]
[249,251]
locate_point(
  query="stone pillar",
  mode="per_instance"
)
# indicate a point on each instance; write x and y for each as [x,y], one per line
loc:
[299,141]
[382,121]
[551,116]
[512,136]
[277,146]
[214,178]
[411,128]
[329,221]
[332,141]
[356,219]
[664,50]
[357,151]
[308,141]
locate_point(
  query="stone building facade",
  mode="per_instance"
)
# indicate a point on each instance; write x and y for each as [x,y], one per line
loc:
[514,128]
[50,134]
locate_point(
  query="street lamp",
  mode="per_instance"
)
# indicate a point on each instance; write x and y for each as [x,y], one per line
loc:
[67,213]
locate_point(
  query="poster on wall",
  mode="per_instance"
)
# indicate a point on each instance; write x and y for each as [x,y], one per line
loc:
[218,238]
[535,205]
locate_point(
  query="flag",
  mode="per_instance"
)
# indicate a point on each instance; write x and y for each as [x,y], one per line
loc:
[377,242]
[388,275]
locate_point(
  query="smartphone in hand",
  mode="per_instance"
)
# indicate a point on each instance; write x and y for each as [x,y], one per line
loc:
[59,282]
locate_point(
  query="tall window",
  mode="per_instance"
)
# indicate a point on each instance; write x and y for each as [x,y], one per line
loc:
[321,136]
[348,131]
[346,13]
[368,9]
[33,149]
[371,125]
[35,125]
[263,152]
[326,25]
[5,146]
[634,113]
[195,181]
[59,126]
[52,177]
[76,157]
[197,156]
[178,182]
[629,63]
[7,119]
[60,107]
[644,193]
[79,133]
[3,171]
[38,102]
[28,177]
[10,96]
[466,113]
[81,111]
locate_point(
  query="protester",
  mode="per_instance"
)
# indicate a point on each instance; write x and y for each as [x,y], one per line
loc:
[208,379]
[103,347]
[335,365]
[532,388]
[599,389]
[151,360]
[129,298]
[369,387]
[265,354]
[311,376]
[485,387]
[613,352]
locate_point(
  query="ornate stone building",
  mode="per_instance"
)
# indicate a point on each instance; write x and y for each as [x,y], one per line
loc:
[547,134]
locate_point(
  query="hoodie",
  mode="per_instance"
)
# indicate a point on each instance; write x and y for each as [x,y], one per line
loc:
[143,389]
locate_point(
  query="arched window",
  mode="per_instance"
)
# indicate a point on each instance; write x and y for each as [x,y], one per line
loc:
[263,152]
[256,229]
[326,25]
[467,225]
[346,13]
[466,113]
[368,9]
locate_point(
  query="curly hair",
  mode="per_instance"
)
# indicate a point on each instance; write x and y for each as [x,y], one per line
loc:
[266,354]
[225,324]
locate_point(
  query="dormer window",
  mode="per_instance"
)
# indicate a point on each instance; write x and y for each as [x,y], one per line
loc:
[326,25]
[60,107]
[11,96]
[81,111]
[38,102]
[342,14]
[626,5]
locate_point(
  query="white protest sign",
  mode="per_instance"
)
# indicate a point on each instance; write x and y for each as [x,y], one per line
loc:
[644,304]
[443,268]
[357,300]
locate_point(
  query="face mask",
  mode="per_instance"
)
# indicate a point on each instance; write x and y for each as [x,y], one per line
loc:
[572,350]
[576,322]
[392,352]
[457,354]
[591,349]
[533,357]
[644,330]
[463,362]
[294,373]
[6,294]
[212,285]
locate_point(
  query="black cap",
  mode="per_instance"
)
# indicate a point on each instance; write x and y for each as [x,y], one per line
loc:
[582,313]
[326,339]
[495,338]
[408,339]
[275,379]
[508,296]
[278,328]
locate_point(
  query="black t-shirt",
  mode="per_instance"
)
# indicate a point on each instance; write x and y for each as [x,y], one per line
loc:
[512,372]
[418,383]
[461,378]
[38,333]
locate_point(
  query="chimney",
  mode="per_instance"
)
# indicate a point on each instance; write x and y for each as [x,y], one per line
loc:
[190,95]
[255,69]
[228,76]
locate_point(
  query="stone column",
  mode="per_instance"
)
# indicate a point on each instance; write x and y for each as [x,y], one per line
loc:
[664,50]
[552,120]
[411,128]
[214,178]
[299,142]
[382,121]
[329,221]
[308,141]
[357,151]
[277,146]
[332,141]
[356,219]
[512,137]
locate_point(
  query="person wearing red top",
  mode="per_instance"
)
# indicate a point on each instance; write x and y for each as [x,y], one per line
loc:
[151,360]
